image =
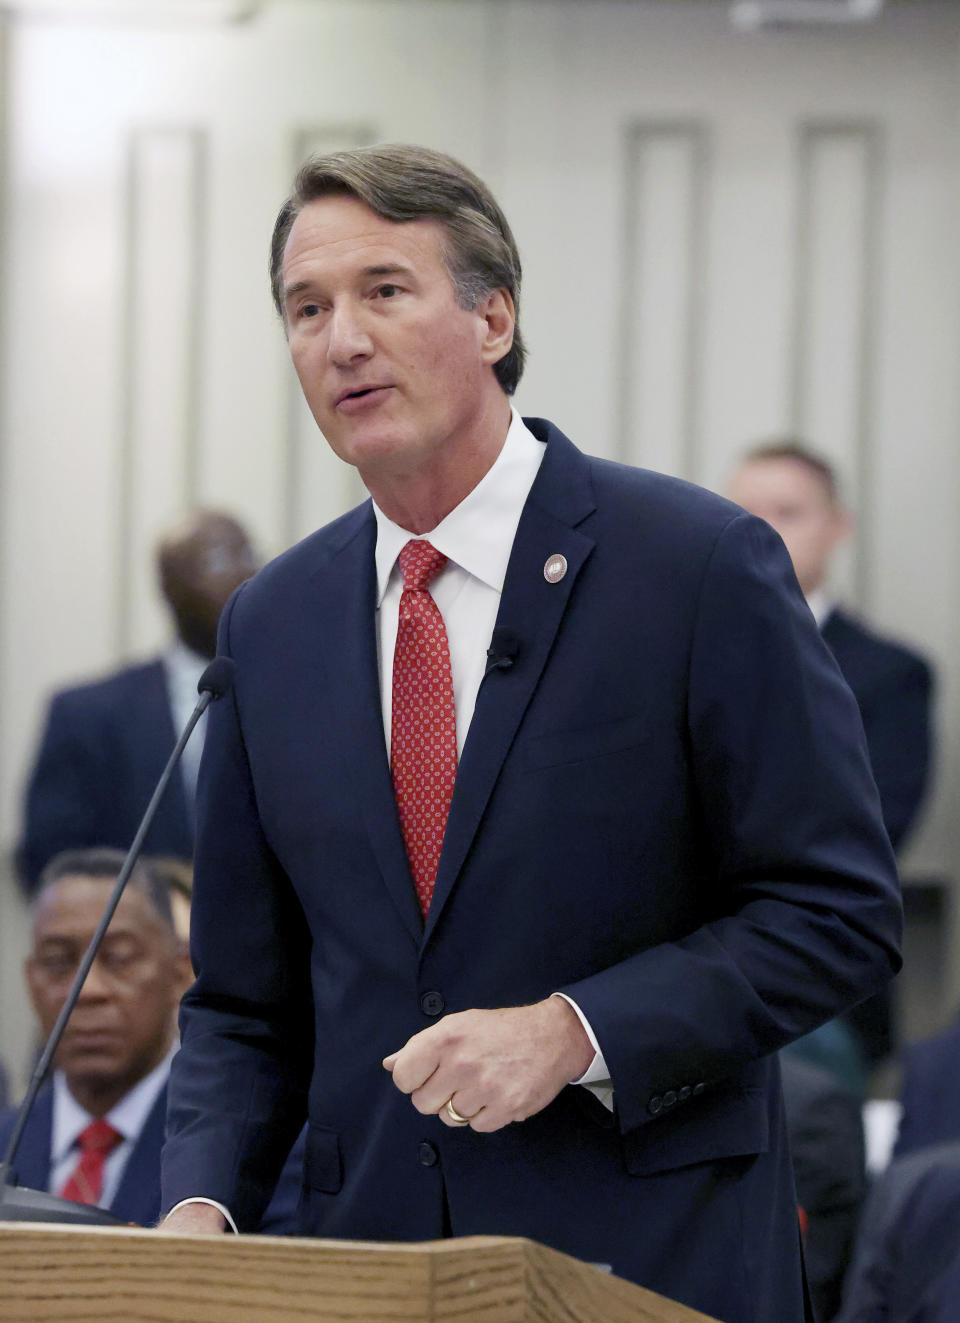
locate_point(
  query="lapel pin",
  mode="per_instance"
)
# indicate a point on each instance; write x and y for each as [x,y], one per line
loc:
[555,568]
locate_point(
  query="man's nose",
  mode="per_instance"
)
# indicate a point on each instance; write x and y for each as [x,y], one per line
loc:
[97,984]
[349,339]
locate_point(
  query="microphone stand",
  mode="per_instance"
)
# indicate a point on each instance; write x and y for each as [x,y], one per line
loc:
[18,1203]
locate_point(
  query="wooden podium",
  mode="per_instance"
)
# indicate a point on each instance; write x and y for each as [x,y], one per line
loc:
[59,1274]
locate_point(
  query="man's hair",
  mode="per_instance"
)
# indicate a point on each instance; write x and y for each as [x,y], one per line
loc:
[792,448]
[403,183]
[103,863]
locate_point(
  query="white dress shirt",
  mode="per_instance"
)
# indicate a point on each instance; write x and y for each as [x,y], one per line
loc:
[477,538]
[128,1117]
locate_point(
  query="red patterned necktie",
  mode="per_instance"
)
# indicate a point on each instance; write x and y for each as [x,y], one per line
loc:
[96,1141]
[423,738]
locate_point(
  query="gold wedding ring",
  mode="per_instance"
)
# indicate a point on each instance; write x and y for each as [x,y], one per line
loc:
[454,1115]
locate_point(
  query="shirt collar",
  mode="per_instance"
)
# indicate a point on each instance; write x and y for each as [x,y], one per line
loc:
[478,533]
[128,1116]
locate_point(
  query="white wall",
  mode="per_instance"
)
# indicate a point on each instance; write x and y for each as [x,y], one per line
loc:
[724,236]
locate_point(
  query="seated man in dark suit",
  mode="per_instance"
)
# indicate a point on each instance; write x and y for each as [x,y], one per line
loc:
[106,743]
[796,492]
[908,1243]
[112,1066]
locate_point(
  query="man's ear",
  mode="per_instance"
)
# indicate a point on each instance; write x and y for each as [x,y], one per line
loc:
[499,314]
[184,971]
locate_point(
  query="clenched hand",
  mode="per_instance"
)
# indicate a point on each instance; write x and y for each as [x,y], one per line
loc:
[492,1066]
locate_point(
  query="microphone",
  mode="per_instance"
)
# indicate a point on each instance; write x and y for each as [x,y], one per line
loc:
[18,1203]
[503,650]
[216,681]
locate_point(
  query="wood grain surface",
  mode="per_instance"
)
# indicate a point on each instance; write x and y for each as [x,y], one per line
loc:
[57,1274]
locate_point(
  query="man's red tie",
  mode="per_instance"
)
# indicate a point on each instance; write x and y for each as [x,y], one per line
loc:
[96,1142]
[423,739]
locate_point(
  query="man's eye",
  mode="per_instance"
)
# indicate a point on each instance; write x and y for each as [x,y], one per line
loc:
[117,964]
[309,310]
[387,291]
[58,966]
[117,958]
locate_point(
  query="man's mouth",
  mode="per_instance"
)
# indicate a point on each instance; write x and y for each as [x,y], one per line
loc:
[93,1035]
[353,397]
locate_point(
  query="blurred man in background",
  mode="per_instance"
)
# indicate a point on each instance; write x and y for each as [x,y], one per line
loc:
[796,492]
[105,743]
[96,1129]
[907,1264]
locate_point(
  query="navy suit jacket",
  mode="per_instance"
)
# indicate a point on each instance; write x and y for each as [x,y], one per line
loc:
[624,828]
[893,687]
[102,752]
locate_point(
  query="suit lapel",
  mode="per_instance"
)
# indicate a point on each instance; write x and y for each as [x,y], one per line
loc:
[531,608]
[347,608]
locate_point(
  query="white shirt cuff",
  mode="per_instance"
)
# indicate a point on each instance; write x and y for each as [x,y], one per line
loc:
[198,1199]
[596,1072]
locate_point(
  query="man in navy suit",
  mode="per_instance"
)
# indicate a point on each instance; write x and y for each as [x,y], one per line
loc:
[796,491]
[105,743]
[662,856]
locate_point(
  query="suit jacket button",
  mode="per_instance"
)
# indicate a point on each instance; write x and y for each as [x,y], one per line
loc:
[431,1003]
[669,1098]
[685,1093]
[654,1105]
[427,1154]
[698,1089]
